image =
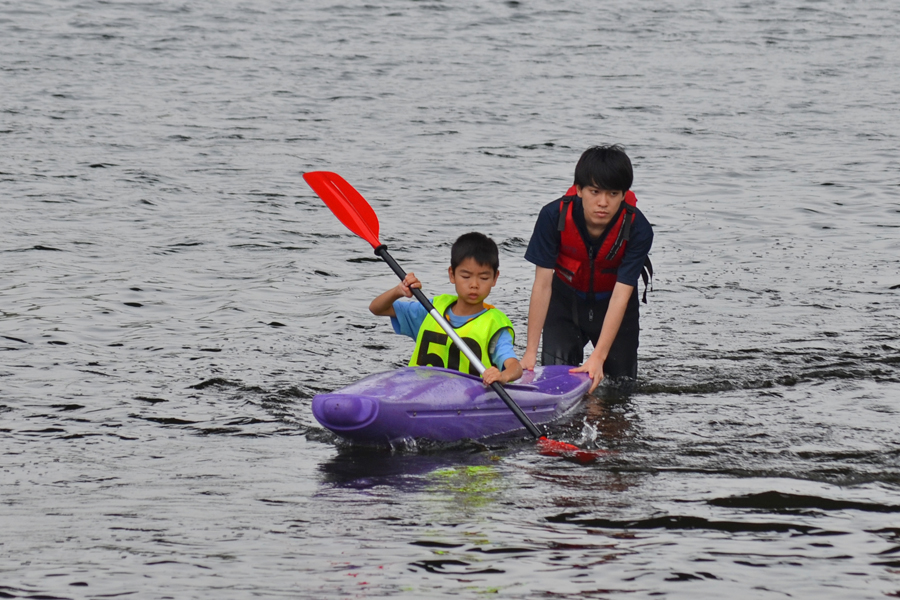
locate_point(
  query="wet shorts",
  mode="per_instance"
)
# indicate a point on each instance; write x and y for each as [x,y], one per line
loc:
[572,322]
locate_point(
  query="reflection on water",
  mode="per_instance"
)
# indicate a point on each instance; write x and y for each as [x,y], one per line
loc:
[468,489]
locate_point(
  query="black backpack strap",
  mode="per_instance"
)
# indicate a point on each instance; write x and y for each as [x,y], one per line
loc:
[647,276]
[624,232]
[563,212]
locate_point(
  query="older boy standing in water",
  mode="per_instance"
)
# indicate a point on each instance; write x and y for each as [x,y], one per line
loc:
[589,250]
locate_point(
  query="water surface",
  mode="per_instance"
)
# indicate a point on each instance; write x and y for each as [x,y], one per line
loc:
[172,295]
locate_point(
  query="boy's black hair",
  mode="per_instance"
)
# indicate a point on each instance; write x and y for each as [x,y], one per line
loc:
[604,167]
[475,245]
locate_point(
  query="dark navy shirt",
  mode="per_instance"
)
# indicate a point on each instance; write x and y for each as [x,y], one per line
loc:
[544,245]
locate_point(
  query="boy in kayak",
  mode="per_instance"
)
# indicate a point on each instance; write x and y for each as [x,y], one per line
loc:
[589,248]
[474,268]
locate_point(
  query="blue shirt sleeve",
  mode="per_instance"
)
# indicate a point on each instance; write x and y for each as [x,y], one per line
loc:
[501,348]
[544,244]
[410,316]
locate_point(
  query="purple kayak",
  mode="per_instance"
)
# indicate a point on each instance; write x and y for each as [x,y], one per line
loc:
[443,405]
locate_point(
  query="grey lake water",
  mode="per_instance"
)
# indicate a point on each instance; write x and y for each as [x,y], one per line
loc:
[172,296]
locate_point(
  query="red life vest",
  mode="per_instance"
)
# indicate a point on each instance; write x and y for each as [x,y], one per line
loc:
[573,263]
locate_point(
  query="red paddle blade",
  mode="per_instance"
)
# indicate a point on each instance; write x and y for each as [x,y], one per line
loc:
[550,447]
[346,203]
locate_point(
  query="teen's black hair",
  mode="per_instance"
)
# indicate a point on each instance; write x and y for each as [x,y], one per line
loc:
[475,245]
[604,167]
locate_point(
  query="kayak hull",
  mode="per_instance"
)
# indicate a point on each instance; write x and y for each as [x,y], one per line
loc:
[443,405]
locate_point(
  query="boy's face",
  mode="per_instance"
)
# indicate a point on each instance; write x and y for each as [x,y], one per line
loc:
[600,206]
[473,281]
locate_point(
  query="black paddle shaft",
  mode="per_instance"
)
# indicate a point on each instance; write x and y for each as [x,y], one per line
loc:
[496,386]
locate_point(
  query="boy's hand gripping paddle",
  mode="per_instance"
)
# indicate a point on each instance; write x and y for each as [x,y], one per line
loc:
[352,210]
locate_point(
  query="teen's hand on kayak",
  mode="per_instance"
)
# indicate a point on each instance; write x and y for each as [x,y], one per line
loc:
[529,359]
[491,375]
[410,281]
[593,366]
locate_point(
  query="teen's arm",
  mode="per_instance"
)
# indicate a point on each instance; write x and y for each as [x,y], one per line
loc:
[383,305]
[512,370]
[537,314]
[593,366]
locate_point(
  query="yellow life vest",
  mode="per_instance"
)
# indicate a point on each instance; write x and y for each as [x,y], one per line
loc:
[434,348]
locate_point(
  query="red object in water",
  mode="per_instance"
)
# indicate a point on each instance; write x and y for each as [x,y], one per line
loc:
[550,447]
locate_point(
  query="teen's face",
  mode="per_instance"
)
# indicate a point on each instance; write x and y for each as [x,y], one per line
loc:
[600,206]
[473,281]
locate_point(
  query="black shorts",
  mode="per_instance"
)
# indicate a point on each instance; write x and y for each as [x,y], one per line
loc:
[572,322]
